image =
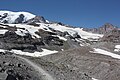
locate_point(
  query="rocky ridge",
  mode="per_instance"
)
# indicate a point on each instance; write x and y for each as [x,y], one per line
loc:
[103,29]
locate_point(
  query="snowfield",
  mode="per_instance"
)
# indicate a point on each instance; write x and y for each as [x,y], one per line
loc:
[46,27]
[101,51]
[21,32]
[94,79]
[2,50]
[28,29]
[35,54]
[117,48]
[12,16]
[72,31]
[3,31]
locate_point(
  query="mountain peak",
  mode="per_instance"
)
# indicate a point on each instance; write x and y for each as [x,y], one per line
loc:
[108,25]
[11,17]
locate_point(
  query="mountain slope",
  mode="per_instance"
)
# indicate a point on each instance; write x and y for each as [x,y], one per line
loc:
[63,51]
[30,33]
[49,36]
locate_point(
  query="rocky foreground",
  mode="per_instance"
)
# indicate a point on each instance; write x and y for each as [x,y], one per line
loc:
[80,64]
[14,68]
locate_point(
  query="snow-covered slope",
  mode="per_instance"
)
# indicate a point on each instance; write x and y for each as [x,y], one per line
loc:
[10,16]
[24,32]
[72,31]
[47,27]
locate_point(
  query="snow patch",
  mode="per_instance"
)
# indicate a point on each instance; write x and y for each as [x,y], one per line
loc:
[21,32]
[28,29]
[1,50]
[94,79]
[62,38]
[117,48]
[35,54]
[100,51]
[3,31]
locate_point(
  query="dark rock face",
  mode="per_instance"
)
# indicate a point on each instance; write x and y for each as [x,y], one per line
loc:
[10,40]
[37,19]
[10,77]
[76,36]
[20,19]
[50,40]
[3,16]
[112,36]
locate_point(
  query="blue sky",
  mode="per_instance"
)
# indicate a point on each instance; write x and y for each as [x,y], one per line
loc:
[83,13]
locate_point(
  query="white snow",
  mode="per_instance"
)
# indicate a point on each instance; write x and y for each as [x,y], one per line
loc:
[21,32]
[46,27]
[1,50]
[28,29]
[47,21]
[12,16]
[31,29]
[117,48]
[87,35]
[82,45]
[62,38]
[35,54]
[94,79]
[72,31]
[101,51]
[3,31]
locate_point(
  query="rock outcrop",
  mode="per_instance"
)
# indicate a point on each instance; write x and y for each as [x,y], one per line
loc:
[103,29]
[112,36]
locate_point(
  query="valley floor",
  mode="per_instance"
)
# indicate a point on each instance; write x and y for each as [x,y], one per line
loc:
[84,63]
[81,64]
